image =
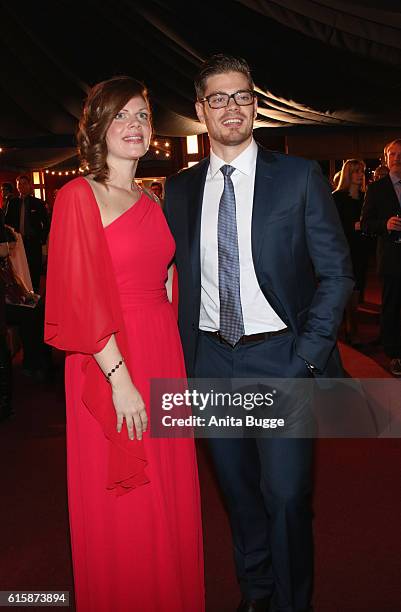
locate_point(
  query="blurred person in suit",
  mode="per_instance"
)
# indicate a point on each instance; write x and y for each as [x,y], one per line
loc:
[157,189]
[28,216]
[7,193]
[5,356]
[381,216]
[380,172]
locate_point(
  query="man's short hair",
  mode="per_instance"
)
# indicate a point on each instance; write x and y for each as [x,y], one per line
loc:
[8,187]
[24,177]
[219,64]
[390,144]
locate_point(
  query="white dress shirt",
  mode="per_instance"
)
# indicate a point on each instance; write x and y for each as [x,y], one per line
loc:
[257,313]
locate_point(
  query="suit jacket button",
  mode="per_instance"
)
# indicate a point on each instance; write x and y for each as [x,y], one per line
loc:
[193,326]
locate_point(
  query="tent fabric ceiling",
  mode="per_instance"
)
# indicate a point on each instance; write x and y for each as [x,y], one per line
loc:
[327,62]
[365,30]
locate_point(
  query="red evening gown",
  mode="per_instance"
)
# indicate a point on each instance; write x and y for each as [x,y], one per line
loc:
[140,551]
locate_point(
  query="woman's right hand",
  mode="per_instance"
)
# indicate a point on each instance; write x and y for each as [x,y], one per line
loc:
[129,405]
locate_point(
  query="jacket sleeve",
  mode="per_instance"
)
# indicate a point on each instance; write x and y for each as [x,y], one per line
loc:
[44,220]
[329,252]
[373,221]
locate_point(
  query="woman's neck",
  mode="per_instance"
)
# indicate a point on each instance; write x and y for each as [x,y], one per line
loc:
[122,173]
[354,191]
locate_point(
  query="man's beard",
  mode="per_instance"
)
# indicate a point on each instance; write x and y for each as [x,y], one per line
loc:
[234,138]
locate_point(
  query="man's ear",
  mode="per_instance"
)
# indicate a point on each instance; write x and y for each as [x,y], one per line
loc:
[255,107]
[199,111]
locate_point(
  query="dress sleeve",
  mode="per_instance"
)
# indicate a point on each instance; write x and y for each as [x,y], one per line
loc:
[80,308]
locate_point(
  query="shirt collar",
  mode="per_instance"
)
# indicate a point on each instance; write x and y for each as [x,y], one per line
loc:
[394,178]
[245,162]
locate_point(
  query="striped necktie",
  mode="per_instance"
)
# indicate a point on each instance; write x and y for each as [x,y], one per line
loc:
[231,320]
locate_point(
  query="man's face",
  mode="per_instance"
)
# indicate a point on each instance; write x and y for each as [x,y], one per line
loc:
[393,158]
[24,187]
[233,124]
[157,190]
[5,192]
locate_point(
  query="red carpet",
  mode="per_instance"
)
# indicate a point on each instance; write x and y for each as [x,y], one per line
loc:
[357,506]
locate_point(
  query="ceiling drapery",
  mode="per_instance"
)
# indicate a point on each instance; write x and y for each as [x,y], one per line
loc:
[327,62]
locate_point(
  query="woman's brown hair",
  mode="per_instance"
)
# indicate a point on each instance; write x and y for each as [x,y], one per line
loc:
[104,101]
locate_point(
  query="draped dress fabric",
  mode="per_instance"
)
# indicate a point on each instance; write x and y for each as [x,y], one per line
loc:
[134,506]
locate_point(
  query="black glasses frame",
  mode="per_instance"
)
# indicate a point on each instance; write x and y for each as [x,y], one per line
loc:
[222,93]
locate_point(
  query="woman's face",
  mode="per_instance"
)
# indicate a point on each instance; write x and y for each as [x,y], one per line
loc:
[357,176]
[129,134]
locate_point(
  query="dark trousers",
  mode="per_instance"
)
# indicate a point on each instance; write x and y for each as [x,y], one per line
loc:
[391,315]
[33,251]
[30,321]
[267,482]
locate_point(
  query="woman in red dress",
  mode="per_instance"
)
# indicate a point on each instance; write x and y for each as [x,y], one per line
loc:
[133,500]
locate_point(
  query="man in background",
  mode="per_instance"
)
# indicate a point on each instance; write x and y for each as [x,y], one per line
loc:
[7,193]
[380,172]
[28,216]
[381,215]
[157,188]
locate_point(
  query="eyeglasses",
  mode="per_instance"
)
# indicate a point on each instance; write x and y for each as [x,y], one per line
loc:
[244,97]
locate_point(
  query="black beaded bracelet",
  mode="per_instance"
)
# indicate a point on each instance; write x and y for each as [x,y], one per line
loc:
[108,375]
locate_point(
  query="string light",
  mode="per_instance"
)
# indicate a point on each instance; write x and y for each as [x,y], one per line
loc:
[60,172]
[163,146]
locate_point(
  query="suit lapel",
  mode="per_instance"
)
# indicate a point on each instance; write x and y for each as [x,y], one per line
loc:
[195,199]
[266,170]
[392,194]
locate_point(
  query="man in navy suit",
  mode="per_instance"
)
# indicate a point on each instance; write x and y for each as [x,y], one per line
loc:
[264,275]
[28,216]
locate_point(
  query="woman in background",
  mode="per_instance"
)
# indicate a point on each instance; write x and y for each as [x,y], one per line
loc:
[349,197]
[133,499]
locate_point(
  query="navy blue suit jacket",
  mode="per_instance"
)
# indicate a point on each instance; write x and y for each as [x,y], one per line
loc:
[300,254]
